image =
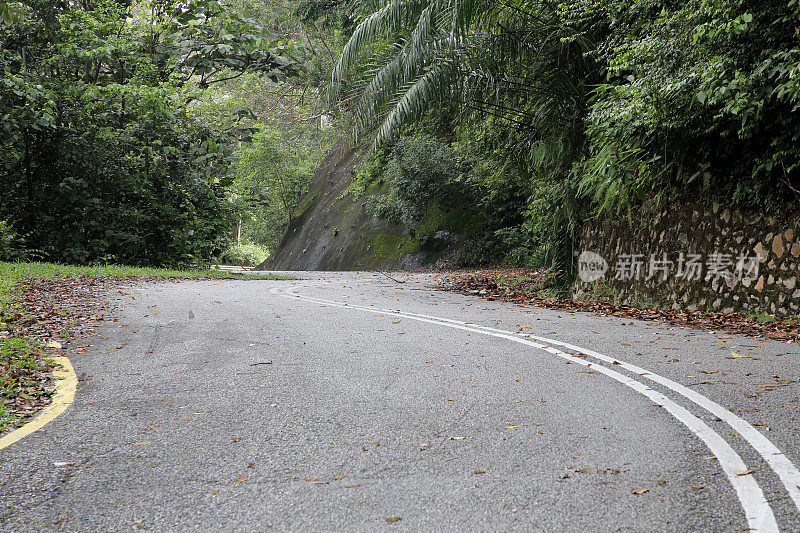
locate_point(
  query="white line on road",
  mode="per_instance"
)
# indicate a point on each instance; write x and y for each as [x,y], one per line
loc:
[757,510]
[780,464]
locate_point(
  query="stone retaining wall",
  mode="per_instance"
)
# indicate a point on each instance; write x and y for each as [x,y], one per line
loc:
[707,258]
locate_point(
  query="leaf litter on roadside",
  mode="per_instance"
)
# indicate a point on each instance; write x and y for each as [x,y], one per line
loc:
[45,311]
[521,286]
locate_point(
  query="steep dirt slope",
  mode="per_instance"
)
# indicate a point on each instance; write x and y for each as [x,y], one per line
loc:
[333,230]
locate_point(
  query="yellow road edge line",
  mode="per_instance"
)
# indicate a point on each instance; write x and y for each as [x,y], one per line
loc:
[66,383]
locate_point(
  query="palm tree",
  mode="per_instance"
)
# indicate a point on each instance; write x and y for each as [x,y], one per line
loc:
[502,58]
[509,63]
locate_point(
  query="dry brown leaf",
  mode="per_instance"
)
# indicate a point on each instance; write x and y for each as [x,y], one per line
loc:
[240,480]
[393,519]
[640,491]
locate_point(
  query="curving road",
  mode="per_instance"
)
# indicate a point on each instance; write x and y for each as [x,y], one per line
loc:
[358,402]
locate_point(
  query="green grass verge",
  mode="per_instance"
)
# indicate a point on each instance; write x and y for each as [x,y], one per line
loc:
[11,274]
[21,361]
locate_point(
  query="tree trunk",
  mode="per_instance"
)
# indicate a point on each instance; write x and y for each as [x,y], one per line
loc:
[237,231]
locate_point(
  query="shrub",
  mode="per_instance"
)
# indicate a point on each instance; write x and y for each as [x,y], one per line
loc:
[7,242]
[245,254]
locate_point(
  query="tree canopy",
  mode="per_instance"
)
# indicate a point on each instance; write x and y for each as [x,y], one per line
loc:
[598,105]
[117,137]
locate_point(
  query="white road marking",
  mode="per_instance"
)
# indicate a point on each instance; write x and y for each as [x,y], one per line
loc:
[758,512]
[780,464]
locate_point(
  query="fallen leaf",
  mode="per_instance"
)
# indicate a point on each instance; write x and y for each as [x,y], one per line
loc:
[640,491]
[662,482]
[142,443]
[60,521]
[337,478]
[393,519]
[478,472]
[515,426]
[746,472]
[240,480]
[697,487]
[734,354]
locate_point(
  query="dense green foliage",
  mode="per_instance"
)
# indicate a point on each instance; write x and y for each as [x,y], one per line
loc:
[420,170]
[247,255]
[117,139]
[154,132]
[579,108]
[271,175]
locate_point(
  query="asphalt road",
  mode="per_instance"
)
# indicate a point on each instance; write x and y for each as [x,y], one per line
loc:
[355,402]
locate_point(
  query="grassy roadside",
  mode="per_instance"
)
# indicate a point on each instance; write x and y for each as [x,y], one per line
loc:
[24,366]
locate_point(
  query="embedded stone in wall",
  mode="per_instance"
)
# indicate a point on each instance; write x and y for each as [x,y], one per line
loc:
[762,253]
[777,246]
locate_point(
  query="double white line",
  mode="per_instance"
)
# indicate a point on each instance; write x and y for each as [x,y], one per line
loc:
[760,517]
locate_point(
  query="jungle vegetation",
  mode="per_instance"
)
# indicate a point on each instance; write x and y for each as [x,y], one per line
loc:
[124,124]
[569,110]
[155,132]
